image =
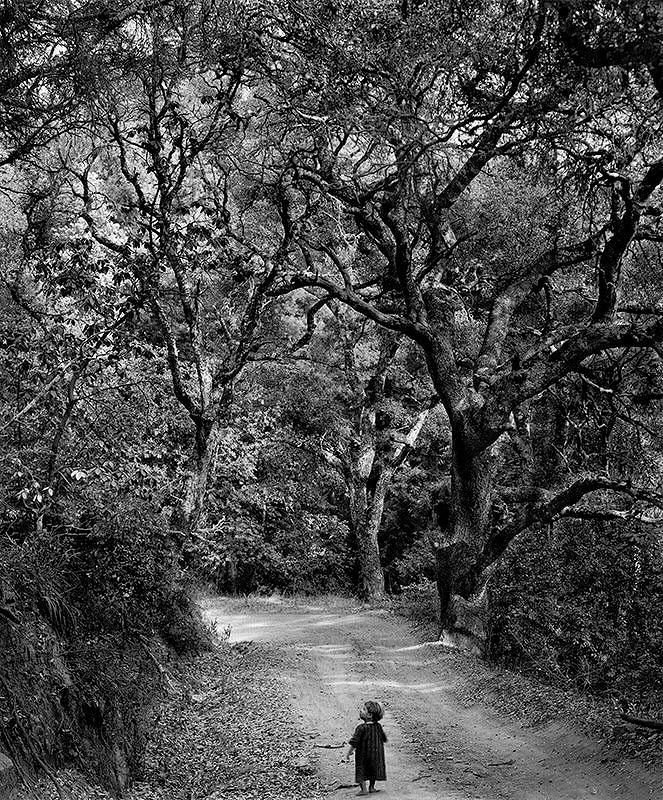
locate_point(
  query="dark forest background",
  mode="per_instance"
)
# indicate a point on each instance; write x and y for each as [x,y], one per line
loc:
[349,297]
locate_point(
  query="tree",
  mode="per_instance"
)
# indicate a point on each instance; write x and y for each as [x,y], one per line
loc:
[53,57]
[369,451]
[482,180]
[169,209]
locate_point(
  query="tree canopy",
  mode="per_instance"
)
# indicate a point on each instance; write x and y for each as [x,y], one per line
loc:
[338,295]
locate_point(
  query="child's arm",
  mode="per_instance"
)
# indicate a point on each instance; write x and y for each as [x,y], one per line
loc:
[352,742]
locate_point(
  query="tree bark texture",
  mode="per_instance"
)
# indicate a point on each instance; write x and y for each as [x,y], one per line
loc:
[188,514]
[365,468]
[461,545]
[366,518]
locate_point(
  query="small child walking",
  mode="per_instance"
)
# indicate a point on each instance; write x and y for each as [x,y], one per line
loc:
[368,740]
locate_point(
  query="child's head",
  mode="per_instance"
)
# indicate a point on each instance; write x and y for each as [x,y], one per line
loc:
[374,712]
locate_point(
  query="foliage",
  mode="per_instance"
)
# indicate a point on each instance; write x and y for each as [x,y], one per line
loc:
[274,521]
[241,247]
[129,580]
[582,604]
[90,581]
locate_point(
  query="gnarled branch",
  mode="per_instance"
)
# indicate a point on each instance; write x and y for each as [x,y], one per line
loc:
[547,506]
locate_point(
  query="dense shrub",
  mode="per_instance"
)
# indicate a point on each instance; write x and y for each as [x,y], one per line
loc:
[415,565]
[297,552]
[420,603]
[129,579]
[583,604]
[88,615]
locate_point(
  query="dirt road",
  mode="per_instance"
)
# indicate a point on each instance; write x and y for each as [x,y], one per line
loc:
[443,745]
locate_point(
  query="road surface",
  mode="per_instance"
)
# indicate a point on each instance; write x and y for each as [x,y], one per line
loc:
[442,745]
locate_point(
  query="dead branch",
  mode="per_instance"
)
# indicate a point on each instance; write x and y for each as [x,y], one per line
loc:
[652,724]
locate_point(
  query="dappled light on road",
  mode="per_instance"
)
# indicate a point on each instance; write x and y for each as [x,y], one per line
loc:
[426,688]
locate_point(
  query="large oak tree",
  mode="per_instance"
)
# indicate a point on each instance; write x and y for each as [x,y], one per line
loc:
[493,170]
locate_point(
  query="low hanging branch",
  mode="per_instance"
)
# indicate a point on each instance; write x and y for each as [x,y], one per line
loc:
[311,324]
[610,514]
[408,443]
[542,506]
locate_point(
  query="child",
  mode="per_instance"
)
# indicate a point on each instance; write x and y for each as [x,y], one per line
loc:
[368,740]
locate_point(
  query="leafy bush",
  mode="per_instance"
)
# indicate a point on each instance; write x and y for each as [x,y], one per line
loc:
[420,603]
[85,615]
[289,554]
[583,605]
[405,542]
[129,579]
[417,564]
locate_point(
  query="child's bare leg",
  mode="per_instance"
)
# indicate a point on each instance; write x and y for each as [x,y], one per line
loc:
[362,787]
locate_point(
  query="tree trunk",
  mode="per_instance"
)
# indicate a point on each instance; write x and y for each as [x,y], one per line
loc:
[190,510]
[548,433]
[463,552]
[366,519]
[227,576]
[460,547]
[371,574]
[364,522]
[373,578]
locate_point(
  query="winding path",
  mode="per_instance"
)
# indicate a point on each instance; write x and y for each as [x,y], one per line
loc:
[442,744]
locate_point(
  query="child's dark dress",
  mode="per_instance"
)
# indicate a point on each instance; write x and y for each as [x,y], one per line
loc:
[368,741]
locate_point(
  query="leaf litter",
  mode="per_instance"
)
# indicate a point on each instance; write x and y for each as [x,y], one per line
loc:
[224,732]
[228,734]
